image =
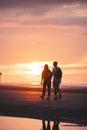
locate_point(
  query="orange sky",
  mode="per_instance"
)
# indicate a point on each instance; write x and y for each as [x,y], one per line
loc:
[54,31]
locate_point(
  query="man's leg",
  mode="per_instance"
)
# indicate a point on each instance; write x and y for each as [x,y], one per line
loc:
[43,125]
[58,90]
[55,89]
[49,87]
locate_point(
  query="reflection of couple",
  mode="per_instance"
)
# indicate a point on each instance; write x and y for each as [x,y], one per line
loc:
[46,80]
[48,127]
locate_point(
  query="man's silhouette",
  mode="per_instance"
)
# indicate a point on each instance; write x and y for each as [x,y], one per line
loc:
[57,75]
[56,125]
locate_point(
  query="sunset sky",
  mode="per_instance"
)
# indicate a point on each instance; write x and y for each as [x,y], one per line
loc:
[39,31]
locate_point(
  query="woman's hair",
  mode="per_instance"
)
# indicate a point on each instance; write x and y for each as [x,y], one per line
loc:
[46,67]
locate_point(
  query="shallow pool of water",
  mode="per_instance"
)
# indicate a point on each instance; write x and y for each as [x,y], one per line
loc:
[14,123]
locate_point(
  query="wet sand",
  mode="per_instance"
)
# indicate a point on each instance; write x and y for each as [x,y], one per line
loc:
[72,107]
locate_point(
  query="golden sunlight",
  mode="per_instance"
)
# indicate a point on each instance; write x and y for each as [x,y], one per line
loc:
[35,68]
[24,72]
[31,68]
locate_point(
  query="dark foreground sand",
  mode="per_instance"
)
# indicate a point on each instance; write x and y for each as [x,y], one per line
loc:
[72,107]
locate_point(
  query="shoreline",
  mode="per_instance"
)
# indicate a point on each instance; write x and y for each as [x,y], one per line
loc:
[45,112]
[37,88]
[26,103]
[38,112]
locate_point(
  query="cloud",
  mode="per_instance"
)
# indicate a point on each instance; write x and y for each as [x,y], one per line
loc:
[53,21]
[27,71]
[43,12]
[37,4]
[83,33]
[75,66]
[29,3]
[66,21]
[26,68]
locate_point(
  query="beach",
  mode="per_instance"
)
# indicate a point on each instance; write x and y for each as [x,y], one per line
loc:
[26,102]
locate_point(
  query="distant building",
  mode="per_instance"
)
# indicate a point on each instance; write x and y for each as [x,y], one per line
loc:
[0,77]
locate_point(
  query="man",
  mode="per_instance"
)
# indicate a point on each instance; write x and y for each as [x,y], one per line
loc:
[57,75]
[46,81]
[56,125]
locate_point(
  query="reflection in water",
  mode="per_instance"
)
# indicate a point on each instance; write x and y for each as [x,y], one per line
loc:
[44,127]
[48,126]
[56,125]
[61,125]
[16,123]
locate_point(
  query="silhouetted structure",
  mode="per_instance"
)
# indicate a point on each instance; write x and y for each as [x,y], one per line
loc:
[46,80]
[0,77]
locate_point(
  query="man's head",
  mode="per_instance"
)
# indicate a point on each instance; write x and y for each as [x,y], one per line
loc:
[55,63]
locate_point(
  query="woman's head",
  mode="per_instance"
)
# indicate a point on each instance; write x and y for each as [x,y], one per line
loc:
[46,67]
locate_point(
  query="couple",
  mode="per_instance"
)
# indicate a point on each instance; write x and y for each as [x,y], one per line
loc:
[46,80]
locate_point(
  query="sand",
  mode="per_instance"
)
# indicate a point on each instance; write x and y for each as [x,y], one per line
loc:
[72,107]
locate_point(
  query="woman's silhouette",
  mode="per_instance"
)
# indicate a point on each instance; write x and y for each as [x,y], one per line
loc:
[44,125]
[46,81]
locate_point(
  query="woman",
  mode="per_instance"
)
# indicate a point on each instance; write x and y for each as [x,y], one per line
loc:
[46,81]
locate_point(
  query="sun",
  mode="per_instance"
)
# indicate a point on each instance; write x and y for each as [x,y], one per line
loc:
[31,68]
[35,68]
